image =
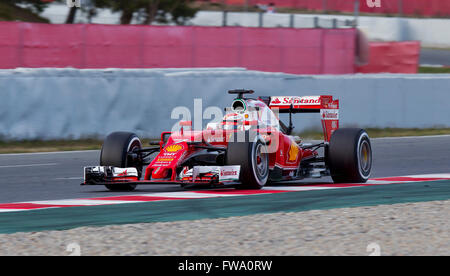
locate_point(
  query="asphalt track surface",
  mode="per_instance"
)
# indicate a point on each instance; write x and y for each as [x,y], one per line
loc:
[50,176]
[435,56]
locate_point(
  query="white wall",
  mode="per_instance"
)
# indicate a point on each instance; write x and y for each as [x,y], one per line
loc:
[70,103]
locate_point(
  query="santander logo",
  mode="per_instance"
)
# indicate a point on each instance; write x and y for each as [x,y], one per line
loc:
[276,101]
[307,100]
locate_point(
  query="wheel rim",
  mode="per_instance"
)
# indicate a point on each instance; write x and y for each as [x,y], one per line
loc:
[134,144]
[365,157]
[260,161]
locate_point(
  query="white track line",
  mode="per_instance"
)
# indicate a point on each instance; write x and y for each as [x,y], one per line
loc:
[192,194]
[383,182]
[297,188]
[413,137]
[435,175]
[47,152]
[84,202]
[10,210]
[29,165]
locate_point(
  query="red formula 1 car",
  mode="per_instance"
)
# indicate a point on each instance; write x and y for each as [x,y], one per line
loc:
[249,148]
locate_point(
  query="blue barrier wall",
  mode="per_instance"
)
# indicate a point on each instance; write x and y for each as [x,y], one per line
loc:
[70,103]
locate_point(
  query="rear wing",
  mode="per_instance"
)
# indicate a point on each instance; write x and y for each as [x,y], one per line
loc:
[325,105]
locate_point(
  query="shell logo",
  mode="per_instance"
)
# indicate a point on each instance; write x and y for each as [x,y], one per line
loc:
[174,148]
[293,152]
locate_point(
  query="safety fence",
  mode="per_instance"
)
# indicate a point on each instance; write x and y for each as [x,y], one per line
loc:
[270,20]
[430,31]
[439,8]
[299,51]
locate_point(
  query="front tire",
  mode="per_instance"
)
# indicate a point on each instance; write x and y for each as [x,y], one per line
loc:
[253,159]
[349,155]
[115,153]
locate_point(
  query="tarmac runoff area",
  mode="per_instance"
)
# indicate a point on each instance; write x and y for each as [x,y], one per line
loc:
[400,229]
[411,226]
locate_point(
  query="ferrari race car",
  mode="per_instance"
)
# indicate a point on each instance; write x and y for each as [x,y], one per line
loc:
[249,148]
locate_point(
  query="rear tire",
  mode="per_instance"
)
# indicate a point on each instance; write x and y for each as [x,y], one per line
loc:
[349,155]
[115,153]
[253,159]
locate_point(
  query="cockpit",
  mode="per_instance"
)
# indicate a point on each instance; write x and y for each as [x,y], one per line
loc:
[245,114]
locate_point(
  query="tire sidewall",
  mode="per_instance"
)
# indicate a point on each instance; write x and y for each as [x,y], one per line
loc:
[343,155]
[254,146]
[363,137]
[124,148]
[242,153]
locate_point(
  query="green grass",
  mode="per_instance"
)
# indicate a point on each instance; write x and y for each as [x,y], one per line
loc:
[434,70]
[29,146]
[50,145]
[384,132]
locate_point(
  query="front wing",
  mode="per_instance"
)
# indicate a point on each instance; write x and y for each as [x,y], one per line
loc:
[198,175]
